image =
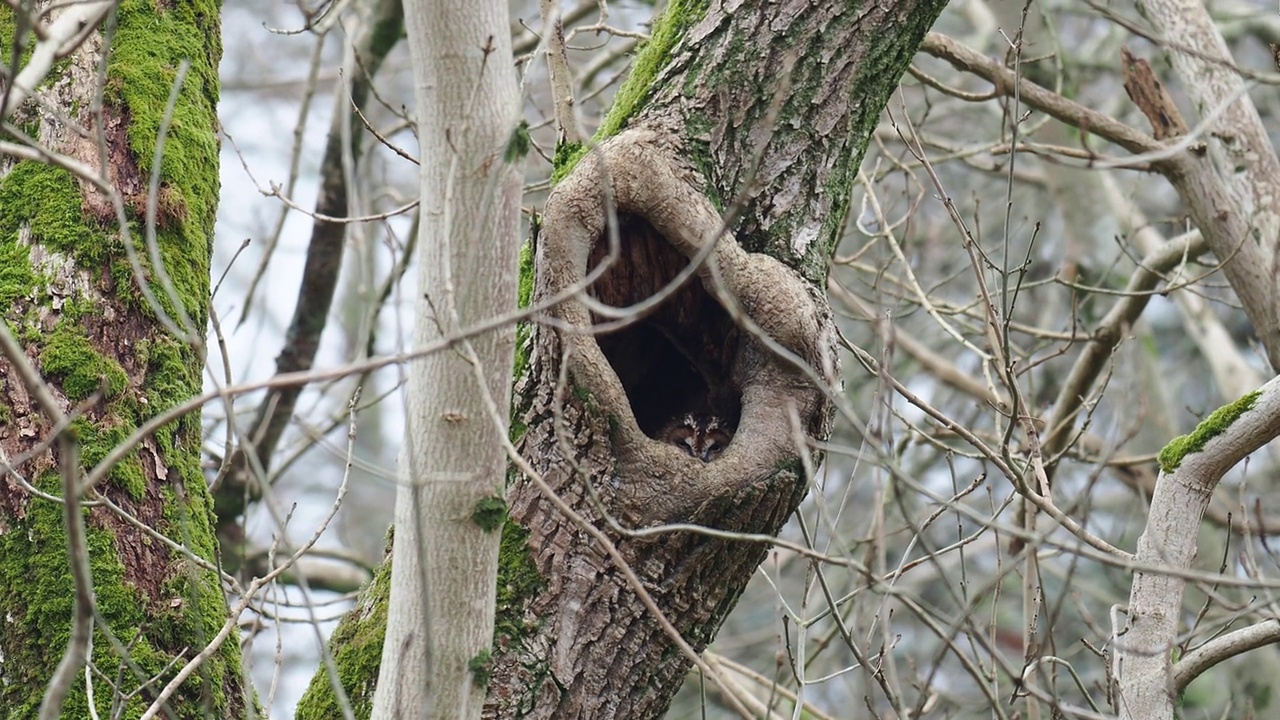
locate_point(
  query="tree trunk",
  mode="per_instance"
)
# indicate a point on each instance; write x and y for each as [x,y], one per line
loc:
[112,354]
[449,509]
[755,117]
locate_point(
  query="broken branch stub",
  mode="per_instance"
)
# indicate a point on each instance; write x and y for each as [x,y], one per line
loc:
[740,336]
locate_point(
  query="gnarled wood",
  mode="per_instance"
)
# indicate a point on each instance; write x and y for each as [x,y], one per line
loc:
[747,334]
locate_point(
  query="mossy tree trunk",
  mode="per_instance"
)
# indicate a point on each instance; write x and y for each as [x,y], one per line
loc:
[74,189]
[749,118]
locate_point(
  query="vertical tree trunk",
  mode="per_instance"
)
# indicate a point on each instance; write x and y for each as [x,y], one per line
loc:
[449,508]
[752,120]
[755,118]
[112,358]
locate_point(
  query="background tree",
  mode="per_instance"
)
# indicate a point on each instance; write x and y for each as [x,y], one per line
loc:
[1029,303]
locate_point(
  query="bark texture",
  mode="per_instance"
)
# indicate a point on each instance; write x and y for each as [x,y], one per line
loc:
[738,136]
[1230,182]
[449,509]
[79,308]
[733,157]
[1191,466]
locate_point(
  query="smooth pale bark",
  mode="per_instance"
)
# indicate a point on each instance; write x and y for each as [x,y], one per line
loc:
[440,618]
[1192,466]
[1231,181]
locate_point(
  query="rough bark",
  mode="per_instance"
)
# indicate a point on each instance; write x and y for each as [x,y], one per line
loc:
[71,297]
[754,117]
[739,133]
[1231,180]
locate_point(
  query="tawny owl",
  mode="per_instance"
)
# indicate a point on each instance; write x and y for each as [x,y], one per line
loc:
[701,436]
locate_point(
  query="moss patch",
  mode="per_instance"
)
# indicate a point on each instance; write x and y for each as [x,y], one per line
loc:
[47,202]
[173,375]
[489,513]
[481,667]
[44,206]
[525,292]
[1178,448]
[524,333]
[668,29]
[17,280]
[667,32]
[518,580]
[70,358]
[36,580]
[100,438]
[148,50]
[357,652]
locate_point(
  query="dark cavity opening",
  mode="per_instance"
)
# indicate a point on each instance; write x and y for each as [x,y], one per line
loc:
[678,357]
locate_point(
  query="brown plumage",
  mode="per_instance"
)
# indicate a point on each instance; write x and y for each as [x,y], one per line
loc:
[701,436]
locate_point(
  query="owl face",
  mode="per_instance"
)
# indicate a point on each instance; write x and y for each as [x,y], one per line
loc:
[701,436]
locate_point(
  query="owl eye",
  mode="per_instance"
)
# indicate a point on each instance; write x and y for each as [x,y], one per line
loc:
[712,451]
[688,446]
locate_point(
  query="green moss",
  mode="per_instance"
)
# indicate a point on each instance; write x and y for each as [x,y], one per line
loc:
[69,358]
[173,375]
[481,667]
[357,652]
[47,202]
[9,32]
[195,622]
[39,594]
[489,513]
[525,295]
[8,28]
[42,206]
[518,580]
[148,50]
[1178,448]
[667,32]
[17,280]
[524,332]
[190,516]
[518,583]
[668,29]
[98,439]
[566,159]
